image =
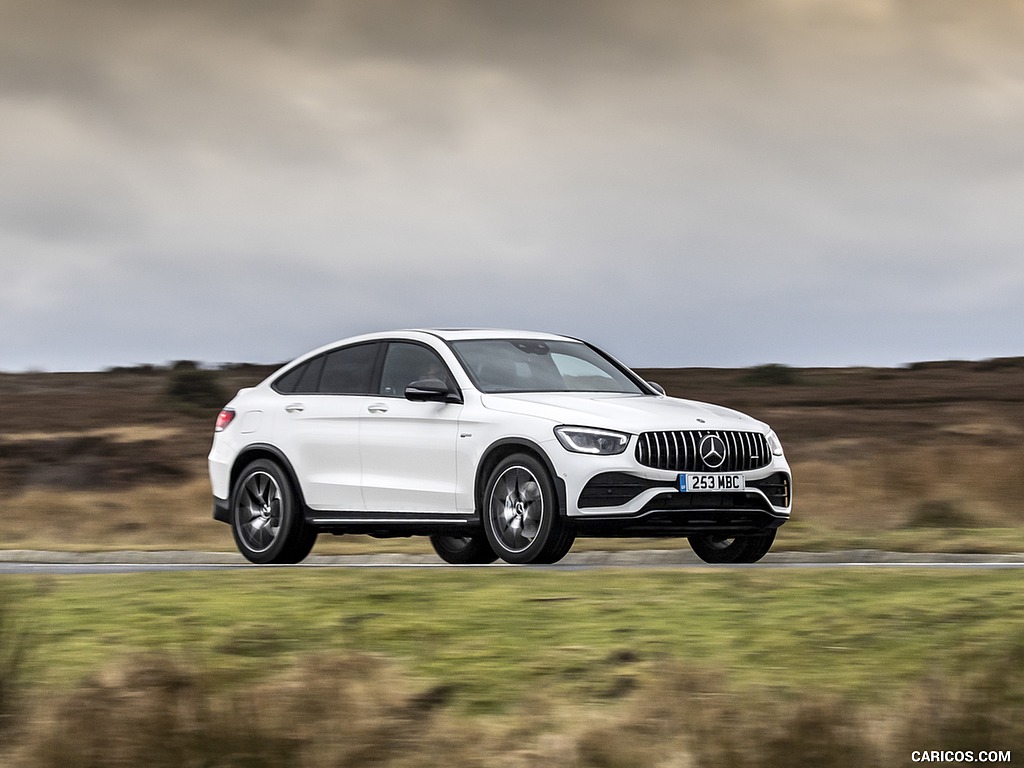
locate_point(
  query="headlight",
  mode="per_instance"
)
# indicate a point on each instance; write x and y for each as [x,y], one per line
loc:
[597,441]
[774,443]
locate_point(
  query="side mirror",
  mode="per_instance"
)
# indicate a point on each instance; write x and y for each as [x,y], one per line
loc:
[431,391]
[657,387]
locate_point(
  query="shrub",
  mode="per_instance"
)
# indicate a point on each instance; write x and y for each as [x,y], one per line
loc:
[148,709]
[979,712]
[192,386]
[940,513]
[771,375]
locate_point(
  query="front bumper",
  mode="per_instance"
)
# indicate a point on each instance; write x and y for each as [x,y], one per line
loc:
[664,511]
[617,496]
[616,489]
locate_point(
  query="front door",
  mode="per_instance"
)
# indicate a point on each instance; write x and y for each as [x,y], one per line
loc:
[408,448]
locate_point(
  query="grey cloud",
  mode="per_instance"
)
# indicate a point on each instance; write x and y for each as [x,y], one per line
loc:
[824,163]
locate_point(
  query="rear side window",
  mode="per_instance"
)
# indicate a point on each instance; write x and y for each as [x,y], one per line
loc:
[349,371]
[302,379]
[346,371]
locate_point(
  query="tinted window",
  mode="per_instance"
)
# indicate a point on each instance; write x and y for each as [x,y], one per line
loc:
[348,371]
[288,384]
[310,380]
[302,379]
[406,363]
[526,365]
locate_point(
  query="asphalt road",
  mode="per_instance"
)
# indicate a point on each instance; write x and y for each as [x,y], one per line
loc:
[36,562]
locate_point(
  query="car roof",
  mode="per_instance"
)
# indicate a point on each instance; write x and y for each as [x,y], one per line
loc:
[463,334]
[445,334]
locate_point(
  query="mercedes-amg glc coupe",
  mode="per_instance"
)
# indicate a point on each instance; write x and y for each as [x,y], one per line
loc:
[495,444]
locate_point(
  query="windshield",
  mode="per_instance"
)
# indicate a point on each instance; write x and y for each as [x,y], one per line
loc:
[529,365]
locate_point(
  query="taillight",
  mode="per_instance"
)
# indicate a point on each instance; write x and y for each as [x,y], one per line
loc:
[224,418]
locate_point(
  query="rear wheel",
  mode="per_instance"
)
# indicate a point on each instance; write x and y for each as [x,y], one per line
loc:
[463,550]
[520,513]
[714,548]
[266,520]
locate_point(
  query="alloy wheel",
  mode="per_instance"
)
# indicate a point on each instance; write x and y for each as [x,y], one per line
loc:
[258,511]
[516,509]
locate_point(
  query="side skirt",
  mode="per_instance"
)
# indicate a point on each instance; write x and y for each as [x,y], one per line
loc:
[392,524]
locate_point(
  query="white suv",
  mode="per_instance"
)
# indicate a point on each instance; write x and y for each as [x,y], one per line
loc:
[495,444]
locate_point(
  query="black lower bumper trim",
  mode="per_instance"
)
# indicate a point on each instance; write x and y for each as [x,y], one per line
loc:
[221,510]
[687,514]
[613,489]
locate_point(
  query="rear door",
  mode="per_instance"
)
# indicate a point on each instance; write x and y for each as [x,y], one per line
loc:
[320,423]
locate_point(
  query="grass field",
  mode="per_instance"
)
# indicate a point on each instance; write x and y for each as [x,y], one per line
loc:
[487,652]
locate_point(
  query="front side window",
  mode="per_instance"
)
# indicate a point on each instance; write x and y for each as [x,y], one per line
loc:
[528,365]
[405,363]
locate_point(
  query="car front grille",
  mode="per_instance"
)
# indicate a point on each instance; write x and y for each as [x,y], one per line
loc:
[681,451]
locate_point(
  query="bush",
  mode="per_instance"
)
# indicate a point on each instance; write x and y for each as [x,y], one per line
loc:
[771,375]
[148,709]
[979,712]
[940,513]
[355,710]
[192,386]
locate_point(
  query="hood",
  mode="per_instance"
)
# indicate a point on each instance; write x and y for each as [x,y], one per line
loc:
[625,413]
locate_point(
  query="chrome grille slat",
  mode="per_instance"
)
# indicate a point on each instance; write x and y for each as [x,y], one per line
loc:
[678,451]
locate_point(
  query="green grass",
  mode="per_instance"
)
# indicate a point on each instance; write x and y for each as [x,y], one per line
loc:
[500,635]
[261,668]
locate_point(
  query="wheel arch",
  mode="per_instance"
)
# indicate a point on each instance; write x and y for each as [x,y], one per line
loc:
[501,450]
[257,451]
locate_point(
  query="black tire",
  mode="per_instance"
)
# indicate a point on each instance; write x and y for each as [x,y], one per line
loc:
[758,546]
[520,512]
[561,549]
[300,546]
[463,550]
[266,520]
[717,549]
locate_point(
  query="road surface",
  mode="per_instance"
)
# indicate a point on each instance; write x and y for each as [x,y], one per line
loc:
[37,562]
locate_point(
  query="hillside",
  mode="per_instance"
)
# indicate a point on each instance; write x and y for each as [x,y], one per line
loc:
[926,457]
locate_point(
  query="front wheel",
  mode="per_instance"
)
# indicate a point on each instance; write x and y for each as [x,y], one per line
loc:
[267,523]
[712,548]
[520,512]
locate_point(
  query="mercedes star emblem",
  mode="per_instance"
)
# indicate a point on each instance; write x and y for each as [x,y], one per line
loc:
[712,451]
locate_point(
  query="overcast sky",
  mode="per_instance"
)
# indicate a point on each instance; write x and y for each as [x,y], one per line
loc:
[698,182]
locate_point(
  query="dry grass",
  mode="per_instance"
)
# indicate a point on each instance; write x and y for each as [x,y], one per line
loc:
[147,517]
[875,489]
[356,710]
[928,456]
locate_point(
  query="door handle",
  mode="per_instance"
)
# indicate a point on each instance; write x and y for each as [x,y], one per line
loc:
[295,408]
[377,408]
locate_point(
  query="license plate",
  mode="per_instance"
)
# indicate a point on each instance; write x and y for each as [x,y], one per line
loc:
[711,482]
